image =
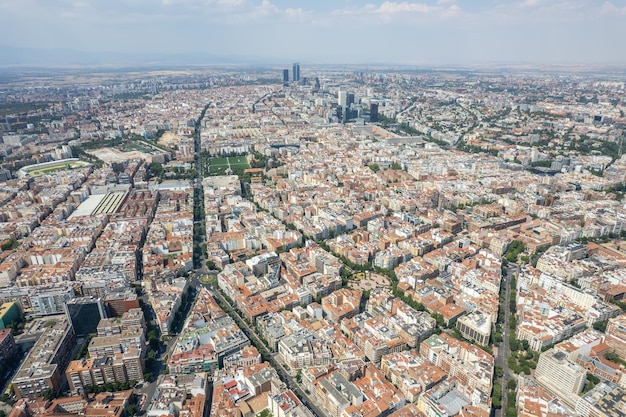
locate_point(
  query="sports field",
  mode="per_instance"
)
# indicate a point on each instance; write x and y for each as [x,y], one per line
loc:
[58,167]
[237,164]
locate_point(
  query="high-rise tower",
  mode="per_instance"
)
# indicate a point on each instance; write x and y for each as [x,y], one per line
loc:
[342,97]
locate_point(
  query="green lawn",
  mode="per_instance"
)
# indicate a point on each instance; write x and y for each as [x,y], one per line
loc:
[238,162]
[135,146]
[218,161]
[207,279]
[218,166]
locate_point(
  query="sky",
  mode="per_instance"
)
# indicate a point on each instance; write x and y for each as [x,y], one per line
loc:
[424,32]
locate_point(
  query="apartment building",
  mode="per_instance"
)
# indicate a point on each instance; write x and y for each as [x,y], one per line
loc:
[475,327]
[343,303]
[43,368]
[560,376]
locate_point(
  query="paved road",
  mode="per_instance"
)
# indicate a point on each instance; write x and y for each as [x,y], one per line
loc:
[194,281]
[165,349]
[292,383]
[504,350]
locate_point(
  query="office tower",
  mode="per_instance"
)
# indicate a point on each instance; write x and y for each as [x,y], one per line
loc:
[339,112]
[296,72]
[9,313]
[347,114]
[374,112]
[350,99]
[85,313]
[285,76]
[342,98]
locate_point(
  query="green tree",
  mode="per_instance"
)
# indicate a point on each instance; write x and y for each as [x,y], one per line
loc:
[9,245]
[155,169]
[511,384]
[601,325]
[611,356]
[496,395]
[131,409]
[49,394]
[441,321]
[510,412]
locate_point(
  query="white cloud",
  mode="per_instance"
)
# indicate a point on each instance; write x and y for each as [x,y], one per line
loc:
[389,11]
[231,3]
[610,8]
[530,3]
[543,30]
[390,7]
[298,13]
[266,8]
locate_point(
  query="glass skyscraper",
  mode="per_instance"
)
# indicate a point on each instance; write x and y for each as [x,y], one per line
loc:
[85,313]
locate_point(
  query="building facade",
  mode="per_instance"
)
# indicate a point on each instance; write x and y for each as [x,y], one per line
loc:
[42,370]
[85,313]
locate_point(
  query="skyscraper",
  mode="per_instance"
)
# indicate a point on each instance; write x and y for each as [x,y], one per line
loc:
[285,76]
[350,99]
[342,98]
[85,313]
[296,72]
[374,112]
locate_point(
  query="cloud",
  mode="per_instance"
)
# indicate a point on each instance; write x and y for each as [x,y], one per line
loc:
[530,3]
[390,7]
[457,30]
[392,11]
[120,13]
[610,8]
[532,12]
[298,13]
[231,3]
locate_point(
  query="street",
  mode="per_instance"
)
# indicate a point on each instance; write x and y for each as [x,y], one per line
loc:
[165,348]
[504,350]
[281,368]
[149,388]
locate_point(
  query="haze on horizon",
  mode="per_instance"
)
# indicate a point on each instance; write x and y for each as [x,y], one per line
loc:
[424,32]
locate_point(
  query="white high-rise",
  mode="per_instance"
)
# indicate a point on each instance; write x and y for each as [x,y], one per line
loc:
[342,98]
[560,376]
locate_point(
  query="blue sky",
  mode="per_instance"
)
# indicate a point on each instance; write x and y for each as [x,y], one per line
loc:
[324,31]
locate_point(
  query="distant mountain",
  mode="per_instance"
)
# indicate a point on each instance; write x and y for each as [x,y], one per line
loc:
[36,57]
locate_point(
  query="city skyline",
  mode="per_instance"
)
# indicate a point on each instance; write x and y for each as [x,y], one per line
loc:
[426,32]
